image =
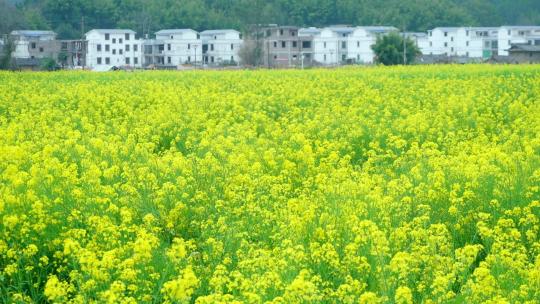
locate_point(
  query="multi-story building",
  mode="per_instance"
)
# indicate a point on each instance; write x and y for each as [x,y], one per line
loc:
[221,46]
[509,35]
[331,45]
[284,47]
[420,40]
[109,48]
[74,53]
[362,39]
[175,47]
[471,42]
[35,44]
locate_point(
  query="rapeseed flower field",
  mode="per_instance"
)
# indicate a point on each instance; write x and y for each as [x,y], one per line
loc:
[361,185]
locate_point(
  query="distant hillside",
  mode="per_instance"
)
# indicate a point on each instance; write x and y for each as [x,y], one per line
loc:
[70,17]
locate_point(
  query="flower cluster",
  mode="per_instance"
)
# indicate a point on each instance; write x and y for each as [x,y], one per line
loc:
[380,185]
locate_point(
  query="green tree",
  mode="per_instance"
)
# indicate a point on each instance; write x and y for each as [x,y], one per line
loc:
[389,49]
[6,59]
[48,64]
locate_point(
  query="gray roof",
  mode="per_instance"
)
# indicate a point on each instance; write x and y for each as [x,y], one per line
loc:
[309,31]
[174,31]
[378,29]
[32,33]
[112,31]
[447,29]
[522,27]
[215,32]
[341,29]
[524,48]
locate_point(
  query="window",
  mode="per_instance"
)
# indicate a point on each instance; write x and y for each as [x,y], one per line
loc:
[99,47]
[430,34]
[172,37]
[127,47]
[136,60]
[168,47]
[215,37]
[294,57]
[189,46]
[446,44]
[293,33]
[127,37]
[99,60]
[343,57]
[114,51]
[33,45]
[430,43]
[445,34]
[107,60]
[452,49]
[275,57]
[294,44]
[467,43]
[467,33]
[325,46]
[452,39]
[487,44]
[107,48]
[306,44]
[232,46]
[509,32]
[121,51]
[268,33]
[189,59]
[343,44]
[275,44]
[127,60]
[135,47]
[107,36]
[169,60]
[324,57]
[41,50]
[114,40]
[283,44]
[120,40]
[212,59]
[281,32]
[357,43]
[211,47]
[198,36]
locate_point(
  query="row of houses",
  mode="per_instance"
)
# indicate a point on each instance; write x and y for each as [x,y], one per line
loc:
[283,46]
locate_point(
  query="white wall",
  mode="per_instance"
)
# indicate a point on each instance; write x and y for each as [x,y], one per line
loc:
[117,52]
[226,46]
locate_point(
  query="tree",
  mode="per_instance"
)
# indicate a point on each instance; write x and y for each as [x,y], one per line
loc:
[48,64]
[6,59]
[251,53]
[389,49]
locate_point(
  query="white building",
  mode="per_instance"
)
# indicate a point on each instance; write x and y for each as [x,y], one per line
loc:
[420,40]
[361,41]
[108,48]
[335,45]
[330,46]
[471,42]
[221,46]
[178,47]
[509,35]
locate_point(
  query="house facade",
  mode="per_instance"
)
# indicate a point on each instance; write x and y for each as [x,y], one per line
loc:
[509,35]
[173,47]
[221,46]
[284,47]
[108,48]
[525,53]
[35,45]
[362,39]
[331,45]
[470,42]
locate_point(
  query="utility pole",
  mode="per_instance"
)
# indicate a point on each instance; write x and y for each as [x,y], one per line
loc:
[404,47]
